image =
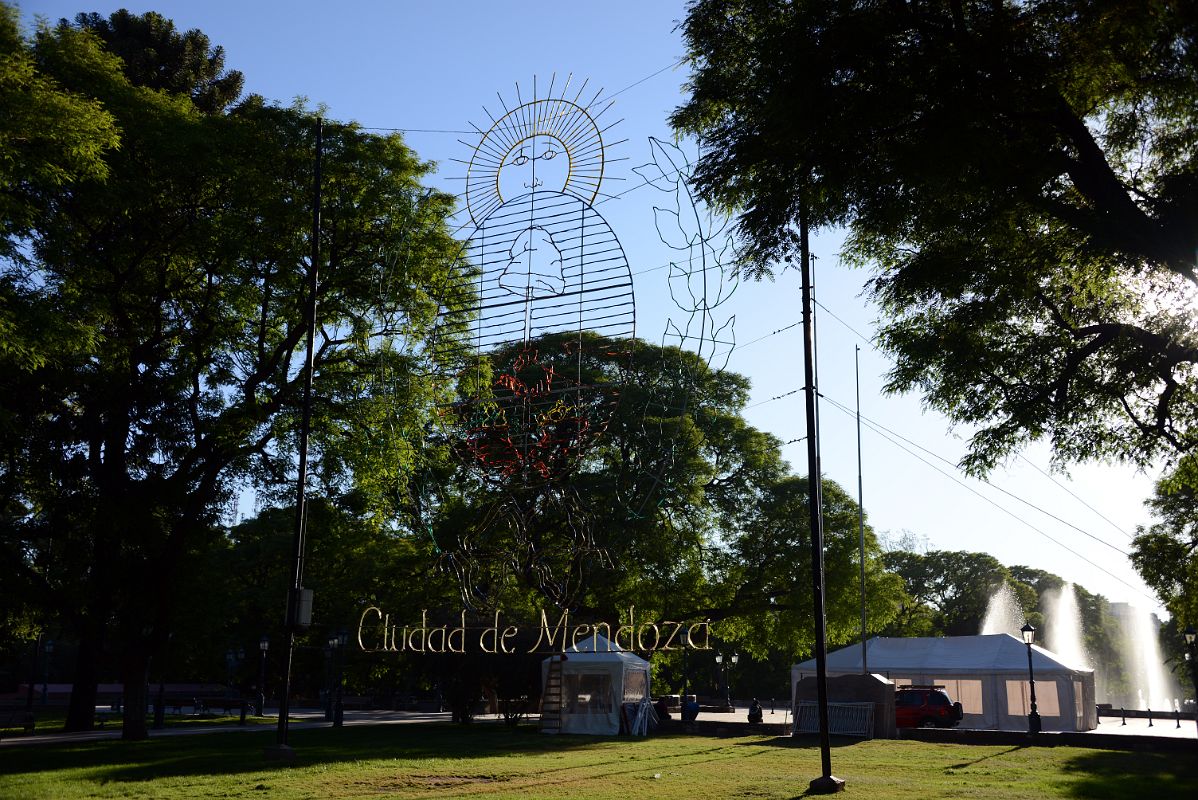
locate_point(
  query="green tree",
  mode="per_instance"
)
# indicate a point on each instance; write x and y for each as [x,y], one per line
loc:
[1021,175]
[639,511]
[157,56]
[948,591]
[1166,552]
[353,563]
[182,276]
[680,509]
[769,574]
[50,137]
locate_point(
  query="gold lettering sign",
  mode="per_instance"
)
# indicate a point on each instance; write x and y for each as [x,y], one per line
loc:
[377,634]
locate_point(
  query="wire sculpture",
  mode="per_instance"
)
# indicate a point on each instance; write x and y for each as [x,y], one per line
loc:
[527,339]
[702,278]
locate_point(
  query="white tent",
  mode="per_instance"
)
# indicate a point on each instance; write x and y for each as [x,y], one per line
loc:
[598,678]
[987,674]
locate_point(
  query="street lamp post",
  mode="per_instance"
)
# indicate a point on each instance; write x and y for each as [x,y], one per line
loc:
[330,647]
[29,723]
[719,662]
[1033,718]
[48,650]
[342,638]
[1192,656]
[263,646]
[728,682]
[686,646]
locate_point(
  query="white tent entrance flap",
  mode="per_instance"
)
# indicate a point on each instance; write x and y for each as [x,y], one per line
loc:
[600,684]
[988,675]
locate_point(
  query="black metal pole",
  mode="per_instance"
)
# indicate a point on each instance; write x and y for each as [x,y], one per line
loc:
[46,672]
[297,552]
[1194,673]
[262,682]
[685,647]
[338,700]
[826,783]
[29,723]
[861,511]
[160,703]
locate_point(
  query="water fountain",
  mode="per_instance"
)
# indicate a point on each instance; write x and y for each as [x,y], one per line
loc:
[1063,626]
[1003,614]
[1144,679]
[1142,657]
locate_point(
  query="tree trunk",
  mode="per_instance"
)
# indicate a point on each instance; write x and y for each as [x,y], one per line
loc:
[81,713]
[134,664]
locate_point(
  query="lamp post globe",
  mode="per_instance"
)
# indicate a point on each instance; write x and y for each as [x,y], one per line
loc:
[1033,718]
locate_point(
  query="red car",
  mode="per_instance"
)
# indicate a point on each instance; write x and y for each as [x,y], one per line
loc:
[925,707]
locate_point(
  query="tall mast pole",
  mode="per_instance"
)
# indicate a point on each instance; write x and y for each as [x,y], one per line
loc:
[296,592]
[827,782]
[861,510]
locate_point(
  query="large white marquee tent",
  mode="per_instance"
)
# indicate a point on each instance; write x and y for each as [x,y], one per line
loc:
[987,674]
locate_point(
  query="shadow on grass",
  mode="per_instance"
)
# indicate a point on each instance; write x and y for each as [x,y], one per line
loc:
[966,764]
[242,752]
[1106,775]
[803,742]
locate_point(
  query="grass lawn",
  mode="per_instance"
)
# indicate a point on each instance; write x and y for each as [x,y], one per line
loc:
[488,760]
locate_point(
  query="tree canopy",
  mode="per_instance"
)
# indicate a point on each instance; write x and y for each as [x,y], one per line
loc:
[1166,552]
[169,275]
[50,136]
[1021,176]
[947,591]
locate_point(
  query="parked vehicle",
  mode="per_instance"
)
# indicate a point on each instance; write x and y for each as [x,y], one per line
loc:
[925,707]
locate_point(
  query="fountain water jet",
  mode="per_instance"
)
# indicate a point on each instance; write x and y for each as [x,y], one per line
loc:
[1063,624]
[1145,665]
[1003,614]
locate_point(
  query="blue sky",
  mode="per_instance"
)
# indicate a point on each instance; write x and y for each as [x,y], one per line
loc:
[430,68]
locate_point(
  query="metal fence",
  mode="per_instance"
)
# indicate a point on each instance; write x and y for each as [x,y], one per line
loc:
[845,719]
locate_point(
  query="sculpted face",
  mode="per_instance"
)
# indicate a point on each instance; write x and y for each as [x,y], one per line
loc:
[538,162]
[551,144]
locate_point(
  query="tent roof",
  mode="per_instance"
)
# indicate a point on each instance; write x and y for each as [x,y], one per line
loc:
[952,655]
[597,649]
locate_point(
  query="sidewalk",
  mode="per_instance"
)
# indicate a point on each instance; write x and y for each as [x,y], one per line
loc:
[1111,732]
[298,719]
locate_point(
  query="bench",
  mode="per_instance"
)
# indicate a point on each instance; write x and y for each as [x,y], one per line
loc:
[16,716]
[207,705]
[175,701]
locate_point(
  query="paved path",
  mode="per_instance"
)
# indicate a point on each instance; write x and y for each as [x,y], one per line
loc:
[314,718]
[303,718]
[1139,727]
